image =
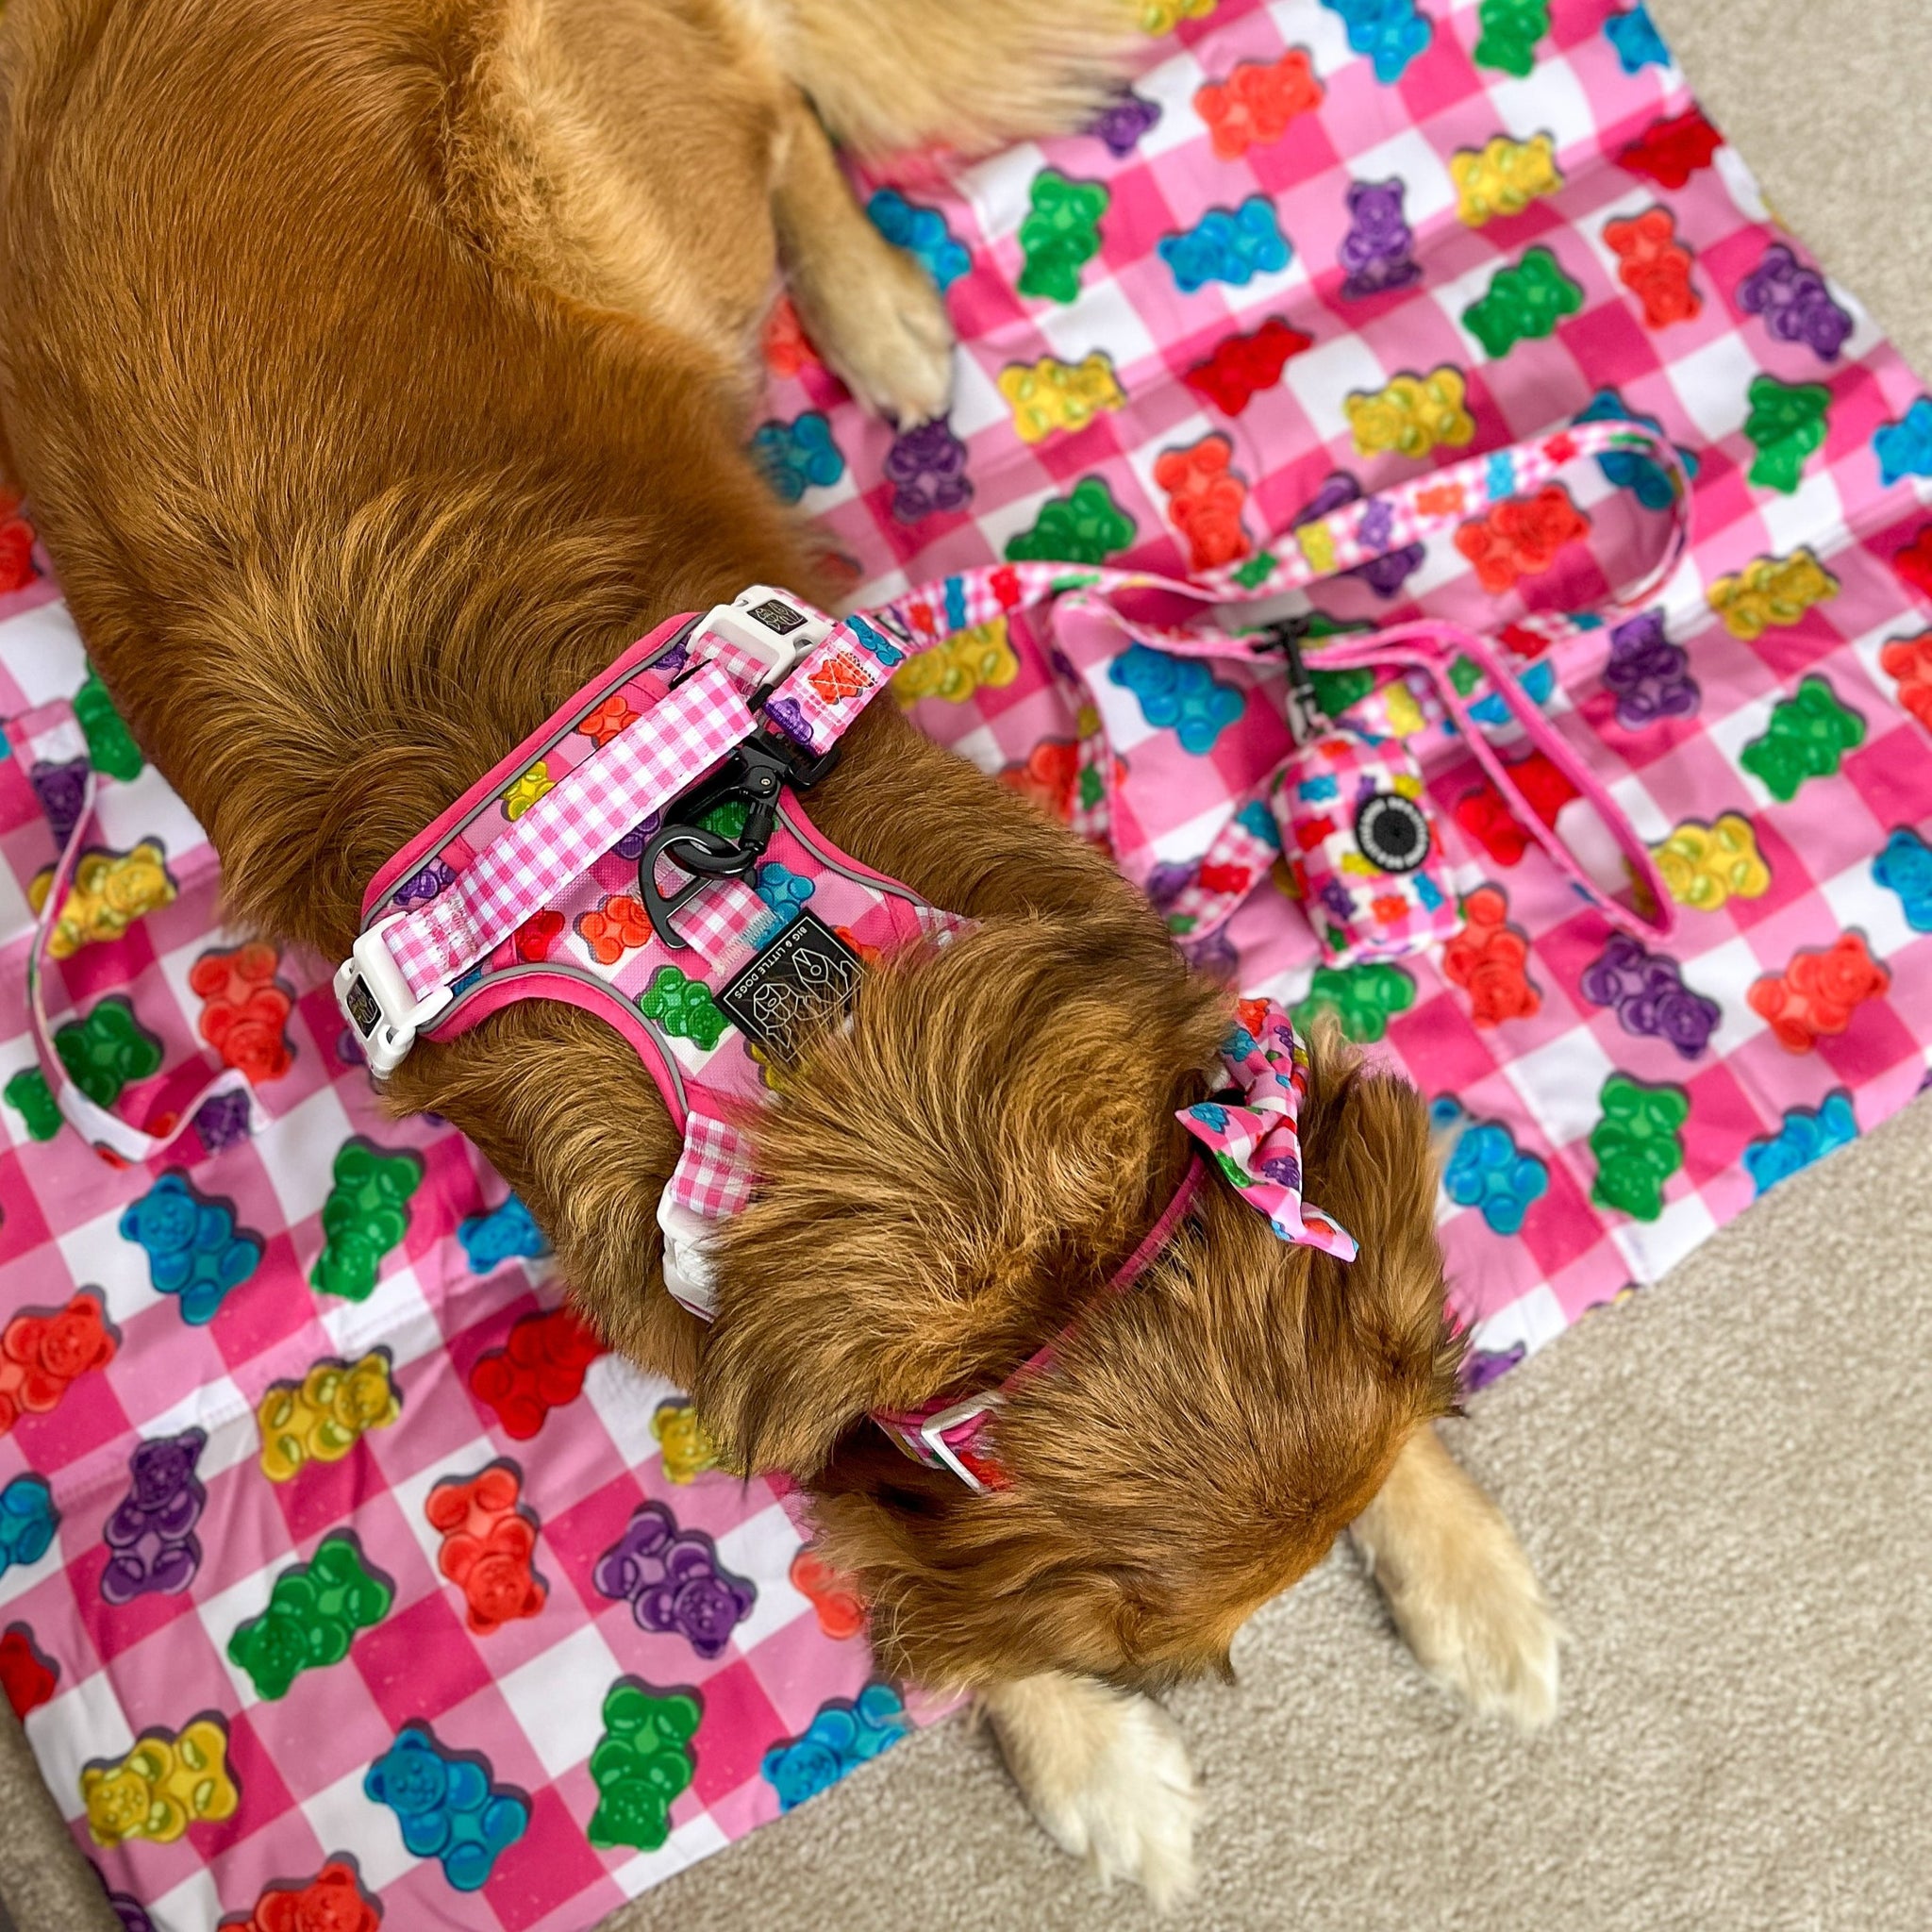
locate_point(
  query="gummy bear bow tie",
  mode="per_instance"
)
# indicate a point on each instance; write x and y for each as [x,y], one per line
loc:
[1255,1140]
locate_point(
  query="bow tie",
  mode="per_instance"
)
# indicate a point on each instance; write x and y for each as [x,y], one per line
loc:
[1254,1138]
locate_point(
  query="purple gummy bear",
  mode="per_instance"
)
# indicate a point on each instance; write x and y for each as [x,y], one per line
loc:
[151,1531]
[1385,576]
[1214,956]
[1121,123]
[1335,897]
[1376,250]
[1283,1170]
[672,1581]
[673,658]
[927,468]
[61,790]
[631,847]
[131,1913]
[222,1121]
[1167,882]
[424,886]
[786,715]
[1796,305]
[1649,676]
[1648,992]
[1482,1366]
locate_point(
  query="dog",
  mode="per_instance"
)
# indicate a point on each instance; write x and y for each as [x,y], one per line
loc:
[377,370]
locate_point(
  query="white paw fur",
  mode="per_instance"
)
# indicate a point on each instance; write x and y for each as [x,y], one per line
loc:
[887,337]
[1105,1774]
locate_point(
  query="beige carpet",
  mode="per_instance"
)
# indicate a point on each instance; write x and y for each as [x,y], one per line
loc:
[1726,1484]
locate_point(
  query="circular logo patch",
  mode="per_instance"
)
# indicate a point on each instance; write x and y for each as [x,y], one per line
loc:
[1393,832]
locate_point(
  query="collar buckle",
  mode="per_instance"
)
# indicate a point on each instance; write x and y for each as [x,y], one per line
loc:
[376,1000]
[765,629]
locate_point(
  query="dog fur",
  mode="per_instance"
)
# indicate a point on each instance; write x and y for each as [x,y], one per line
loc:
[378,370]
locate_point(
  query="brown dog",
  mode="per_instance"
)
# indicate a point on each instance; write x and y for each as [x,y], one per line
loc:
[378,370]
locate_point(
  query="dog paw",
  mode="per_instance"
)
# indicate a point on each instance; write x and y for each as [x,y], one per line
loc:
[886,335]
[1105,1774]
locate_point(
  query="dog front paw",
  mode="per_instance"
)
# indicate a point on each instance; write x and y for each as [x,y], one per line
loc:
[885,334]
[1105,1774]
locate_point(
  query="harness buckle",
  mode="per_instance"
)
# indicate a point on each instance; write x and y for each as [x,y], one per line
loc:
[767,626]
[377,1002]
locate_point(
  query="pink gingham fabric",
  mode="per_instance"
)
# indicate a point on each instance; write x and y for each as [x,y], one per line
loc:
[1790,1010]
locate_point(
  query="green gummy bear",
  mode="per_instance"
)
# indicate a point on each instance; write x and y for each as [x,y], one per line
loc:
[1510,29]
[641,1764]
[1787,424]
[1362,997]
[366,1214]
[1807,737]
[1091,789]
[30,1096]
[1636,1145]
[109,748]
[1464,677]
[1059,235]
[1088,527]
[315,1612]
[726,818]
[1528,300]
[1335,690]
[683,1007]
[107,1050]
[1256,570]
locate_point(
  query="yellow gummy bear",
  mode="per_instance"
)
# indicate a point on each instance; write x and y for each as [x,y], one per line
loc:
[168,1781]
[1404,715]
[970,659]
[1701,866]
[1317,545]
[527,790]
[689,1452]
[111,892]
[1504,178]
[1771,591]
[321,1418]
[1051,395]
[1412,415]
[1164,16]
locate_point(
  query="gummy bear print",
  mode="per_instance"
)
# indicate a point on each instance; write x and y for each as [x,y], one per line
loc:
[447,1805]
[617,927]
[1503,178]
[1049,778]
[111,890]
[1808,738]
[674,1582]
[1180,695]
[1059,235]
[528,788]
[1819,993]
[1796,304]
[488,1541]
[60,785]
[27,1522]
[1636,1145]
[1628,468]
[1391,33]
[1509,31]
[332,1901]
[1635,37]
[1230,245]
[1705,866]
[1647,674]
[1085,526]
[927,468]
[150,1536]
[1647,993]
[110,746]
[1904,448]
[1489,822]
[980,657]
[1363,998]
[1241,366]
[28,1677]
[1806,1135]
[505,1233]
[1377,254]
[1905,867]
[1412,416]
[321,1418]
[1521,537]
[798,456]
[642,1763]
[1487,1171]
[1524,303]
[540,1367]
[1490,959]
[834,1597]
[1908,660]
[105,1051]
[245,1008]
[1914,561]
[43,1352]
[1672,149]
[922,232]
[687,1451]
[1385,574]
[845,1733]
[1122,123]
[30,1096]
[1787,422]
[1655,266]
[1771,591]
[1050,394]
[1205,497]
[1252,107]
[315,1611]
[683,1007]
[194,1250]
[168,1781]
[366,1215]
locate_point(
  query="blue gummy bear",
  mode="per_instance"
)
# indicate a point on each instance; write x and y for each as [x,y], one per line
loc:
[446,1806]
[1629,469]
[1499,474]
[920,231]
[1227,245]
[781,889]
[504,1234]
[1313,791]
[1179,693]
[193,1250]
[1255,820]
[1905,867]
[874,641]
[27,1517]
[1490,1172]
[799,455]
[1538,681]
[1905,447]
[1637,40]
[1210,1116]
[1445,1112]
[1807,1135]
[1391,32]
[842,1735]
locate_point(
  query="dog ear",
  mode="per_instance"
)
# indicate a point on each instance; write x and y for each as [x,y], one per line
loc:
[946,1181]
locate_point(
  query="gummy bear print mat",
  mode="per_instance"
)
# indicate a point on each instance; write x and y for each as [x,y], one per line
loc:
[341,1573]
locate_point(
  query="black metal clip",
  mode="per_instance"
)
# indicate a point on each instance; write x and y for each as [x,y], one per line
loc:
[756,773]
[1306,717]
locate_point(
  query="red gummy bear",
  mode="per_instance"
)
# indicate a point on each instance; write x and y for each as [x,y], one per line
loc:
[837,1604]
[1048,778]
[537,935]
[41,1355]
[1909,661]
[1203,501]
[539,1368]
[16,544]
[244,1009]
[1914,562]
[612,929]
[602,723]
[1817,992]
[1488,958]
[1484,816]
[1243,366]
[487,1545]
[1655,266]
[1521,537]
[788,348]
[332,1901]
[26,1675]
[1254,104]
[1669,152]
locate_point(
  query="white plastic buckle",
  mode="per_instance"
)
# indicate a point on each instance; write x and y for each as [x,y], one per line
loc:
[383,1013]
[932,1433]
[769,627]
